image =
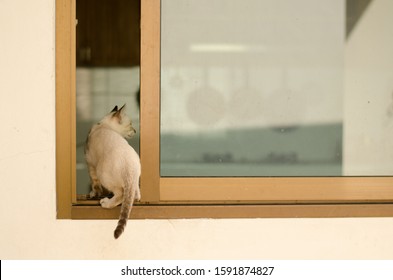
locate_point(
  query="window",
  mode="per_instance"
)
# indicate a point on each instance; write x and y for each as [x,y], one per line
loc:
[337,168]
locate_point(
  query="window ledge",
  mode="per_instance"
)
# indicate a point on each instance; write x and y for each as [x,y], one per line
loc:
[237,211]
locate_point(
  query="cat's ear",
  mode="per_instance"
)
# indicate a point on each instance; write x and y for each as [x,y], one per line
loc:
[119,113]
[122,109]
[114,109]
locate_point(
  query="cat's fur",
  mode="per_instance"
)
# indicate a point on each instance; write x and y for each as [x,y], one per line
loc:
[114,164]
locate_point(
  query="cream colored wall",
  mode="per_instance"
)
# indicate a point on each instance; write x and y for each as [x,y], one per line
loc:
[29,229]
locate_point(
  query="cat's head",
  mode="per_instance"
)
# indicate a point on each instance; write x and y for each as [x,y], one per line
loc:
[118,120]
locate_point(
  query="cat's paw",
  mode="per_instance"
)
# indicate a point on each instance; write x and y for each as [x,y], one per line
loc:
[97,189]
[106,203]
[92,194]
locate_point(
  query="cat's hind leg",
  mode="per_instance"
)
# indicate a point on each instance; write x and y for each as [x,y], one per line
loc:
[114,201]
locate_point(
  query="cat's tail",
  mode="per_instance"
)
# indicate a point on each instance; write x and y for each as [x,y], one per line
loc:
[132,184]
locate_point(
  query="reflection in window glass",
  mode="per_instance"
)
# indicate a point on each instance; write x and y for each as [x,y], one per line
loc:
[275,88]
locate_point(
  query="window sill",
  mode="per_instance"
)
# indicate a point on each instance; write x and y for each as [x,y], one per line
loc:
[171,211]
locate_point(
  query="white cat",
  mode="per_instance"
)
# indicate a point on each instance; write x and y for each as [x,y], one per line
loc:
[114,164]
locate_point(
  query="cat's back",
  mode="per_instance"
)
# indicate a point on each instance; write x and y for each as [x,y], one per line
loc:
[102,141]
[106,135]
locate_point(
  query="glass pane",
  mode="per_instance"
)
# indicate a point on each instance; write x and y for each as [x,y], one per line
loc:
[107,73]
[276,88]
[98,90]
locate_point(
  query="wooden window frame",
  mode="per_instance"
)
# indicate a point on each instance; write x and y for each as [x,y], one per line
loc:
[192,197]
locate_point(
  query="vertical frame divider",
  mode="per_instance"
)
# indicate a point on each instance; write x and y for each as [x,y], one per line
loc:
[150,100]
[65,107]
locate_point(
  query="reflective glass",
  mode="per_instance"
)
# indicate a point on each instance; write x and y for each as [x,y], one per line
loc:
[276,88]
